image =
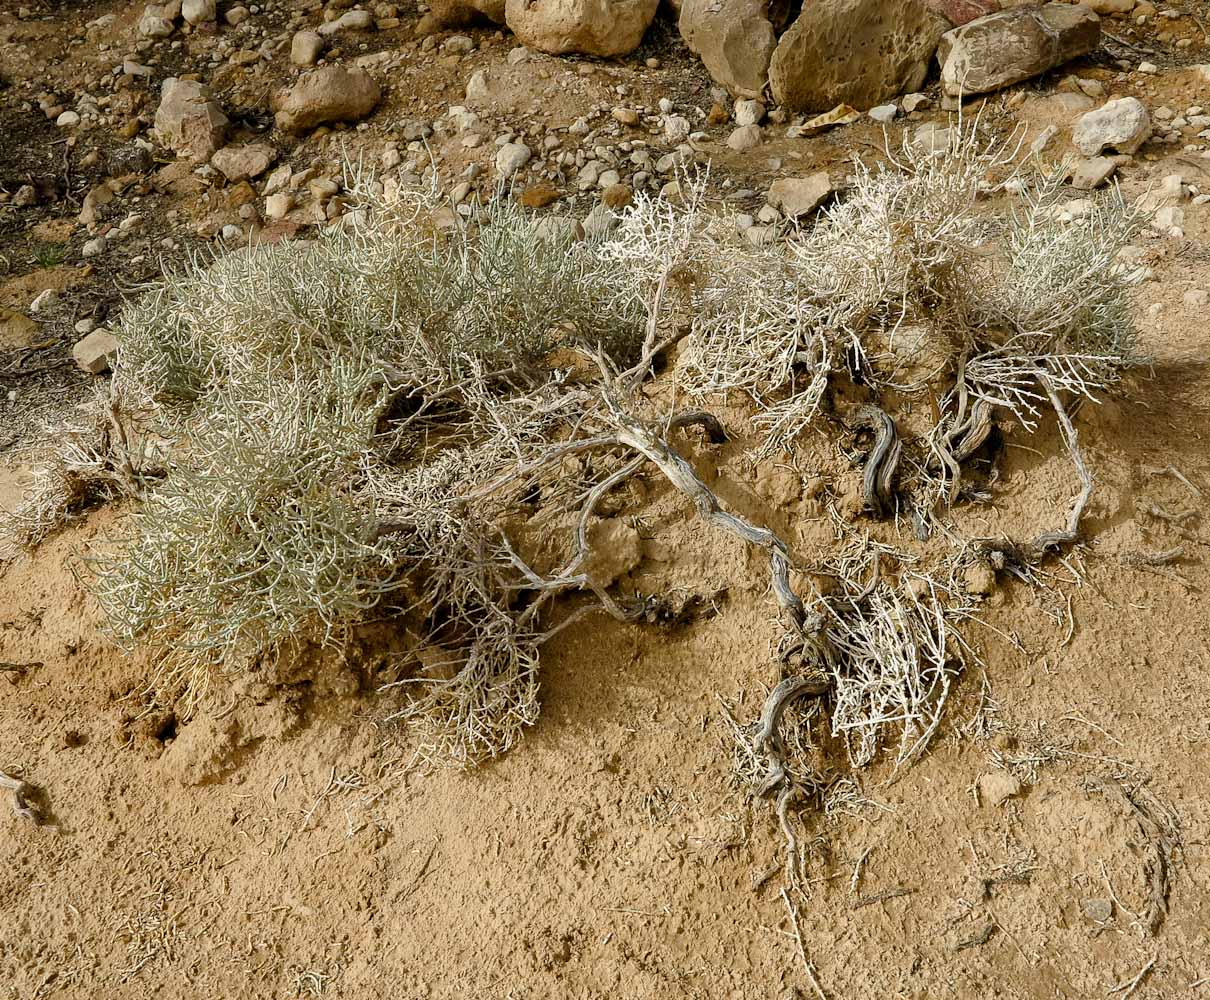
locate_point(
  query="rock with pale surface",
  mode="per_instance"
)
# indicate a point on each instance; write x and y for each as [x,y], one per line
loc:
[243,162]
[1005,48]
[199,11]
[749,113]
[734,39]
[1093,172]
[997,787]
[189,120]
[305,48]
[856,52]
[591,27]
[96,353]
[328,94]
[744,138]
[1122,125]
[511,157]
[795,197]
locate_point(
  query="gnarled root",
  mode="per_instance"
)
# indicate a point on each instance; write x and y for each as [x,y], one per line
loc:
[878,479]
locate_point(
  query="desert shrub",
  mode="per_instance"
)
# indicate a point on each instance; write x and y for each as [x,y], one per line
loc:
[909,244]
[356,423]
[327,405]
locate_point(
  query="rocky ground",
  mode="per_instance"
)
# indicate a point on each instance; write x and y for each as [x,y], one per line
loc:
[605,859]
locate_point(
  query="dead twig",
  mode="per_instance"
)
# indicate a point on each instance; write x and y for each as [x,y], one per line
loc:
[880,897]
[1163,558]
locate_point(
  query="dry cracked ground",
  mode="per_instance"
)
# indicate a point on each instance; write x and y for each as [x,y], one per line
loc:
[1052,843]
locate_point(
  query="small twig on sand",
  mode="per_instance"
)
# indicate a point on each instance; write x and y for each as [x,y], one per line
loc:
[18,668]
[880,897]
[1153,558]
[1125,44]
[1133,984]
[857,870]
[1175,473]
[21,790]
[802,949]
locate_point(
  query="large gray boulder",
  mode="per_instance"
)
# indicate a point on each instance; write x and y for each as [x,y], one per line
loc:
[1005,48]
[591,27]
[857,52]
[735,40]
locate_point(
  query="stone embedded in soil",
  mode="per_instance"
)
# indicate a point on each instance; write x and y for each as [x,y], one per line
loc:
[189,120]
[856,52]
[97,352]
[734,39]
[305,48]
[350,20]
[591,27]
[1122,125]
[199,11]
[749,113]
[243,162]
[1013,45]
[795,197]
[511,157]
[328,94]
[1097,910]
[1092,173]
[744,138]
[997,787]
